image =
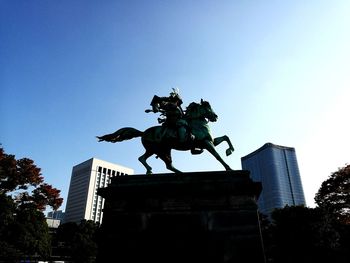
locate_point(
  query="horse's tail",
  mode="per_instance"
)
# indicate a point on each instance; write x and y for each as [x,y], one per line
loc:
[122,134]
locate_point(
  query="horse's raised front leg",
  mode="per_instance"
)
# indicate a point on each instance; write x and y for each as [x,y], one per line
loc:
[225,138]
[211,148]
[143,159]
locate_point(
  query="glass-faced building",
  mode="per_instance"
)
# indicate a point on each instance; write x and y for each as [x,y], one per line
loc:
[276,167]
[83,202]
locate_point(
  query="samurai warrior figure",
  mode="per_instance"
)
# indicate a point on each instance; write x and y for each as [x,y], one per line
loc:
[170,108]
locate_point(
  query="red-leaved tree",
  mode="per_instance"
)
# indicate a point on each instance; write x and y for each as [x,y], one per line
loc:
[22,180]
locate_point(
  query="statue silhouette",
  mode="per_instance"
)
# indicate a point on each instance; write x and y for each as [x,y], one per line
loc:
[180,130]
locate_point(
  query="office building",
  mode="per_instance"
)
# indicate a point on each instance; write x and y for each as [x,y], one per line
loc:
[58,214]
[54,218]
[53,223]
[83,201]
[276,167]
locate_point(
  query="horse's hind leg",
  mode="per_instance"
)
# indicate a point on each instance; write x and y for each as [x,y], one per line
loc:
[168,162]
[143,159]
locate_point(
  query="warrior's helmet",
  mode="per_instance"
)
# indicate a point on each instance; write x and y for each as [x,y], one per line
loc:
[174,95]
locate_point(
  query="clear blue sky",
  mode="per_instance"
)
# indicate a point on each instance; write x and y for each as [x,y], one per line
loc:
[274,71]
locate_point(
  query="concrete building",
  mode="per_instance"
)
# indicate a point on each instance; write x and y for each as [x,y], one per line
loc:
[54,218]
[276,167]
[83,201]
[53,223]
[59,214]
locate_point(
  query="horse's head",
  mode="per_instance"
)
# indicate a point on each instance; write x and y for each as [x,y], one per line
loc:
[208,112]
[201,110]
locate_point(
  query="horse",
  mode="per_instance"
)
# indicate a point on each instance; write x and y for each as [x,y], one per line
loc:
[160,140]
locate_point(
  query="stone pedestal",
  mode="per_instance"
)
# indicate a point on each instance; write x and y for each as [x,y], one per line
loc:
[189,217]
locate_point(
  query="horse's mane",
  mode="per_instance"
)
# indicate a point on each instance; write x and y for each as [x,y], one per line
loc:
[193,110]
[192,106]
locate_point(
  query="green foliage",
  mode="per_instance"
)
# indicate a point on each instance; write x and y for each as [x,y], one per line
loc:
[80,240]
[304,234]
[31,233]
[334,194]
[23,230]
[7,220]
[321,234]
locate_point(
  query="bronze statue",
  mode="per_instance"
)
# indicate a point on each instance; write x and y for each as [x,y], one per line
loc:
[180,130]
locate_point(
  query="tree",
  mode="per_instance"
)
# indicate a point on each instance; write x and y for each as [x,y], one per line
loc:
[20,176]
[80,240]
[334,194]
[23,197]
[333,198]
[84,242]
[7,219]
[302,234]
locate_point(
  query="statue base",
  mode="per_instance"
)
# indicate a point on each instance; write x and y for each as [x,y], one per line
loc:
[189,217]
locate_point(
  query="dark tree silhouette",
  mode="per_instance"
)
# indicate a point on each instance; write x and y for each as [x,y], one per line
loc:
[334,195]
[301,234]
[23,197]
[79,240]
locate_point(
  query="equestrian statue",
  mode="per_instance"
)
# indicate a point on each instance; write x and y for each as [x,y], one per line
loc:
[180,130]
